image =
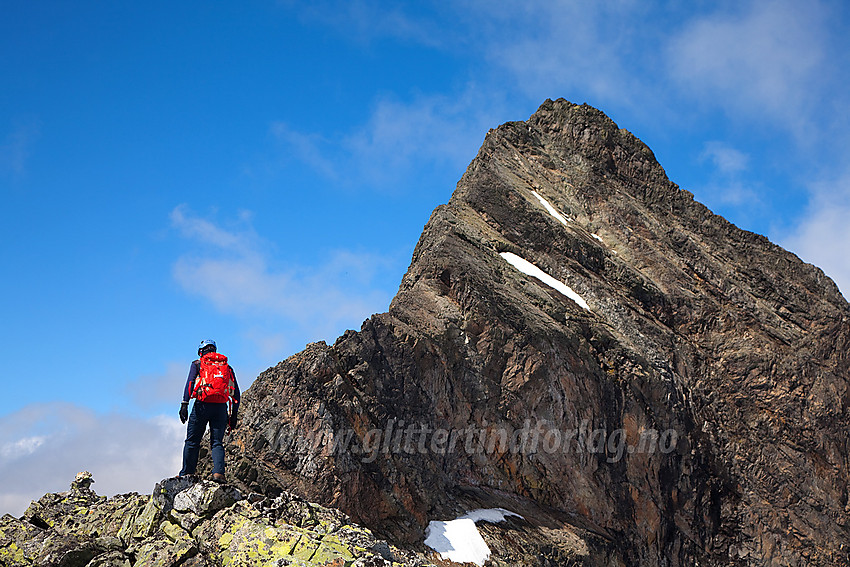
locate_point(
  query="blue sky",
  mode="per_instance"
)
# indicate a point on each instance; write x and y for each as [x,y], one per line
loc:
[258,173]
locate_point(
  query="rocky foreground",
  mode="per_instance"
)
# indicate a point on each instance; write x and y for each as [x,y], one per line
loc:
[191,523]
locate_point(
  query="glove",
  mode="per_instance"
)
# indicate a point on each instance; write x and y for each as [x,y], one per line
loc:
[232,422]
[184,412]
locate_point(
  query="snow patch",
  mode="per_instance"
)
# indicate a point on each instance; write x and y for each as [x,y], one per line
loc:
[597,237]
[552,211]
[530,269]
[491,515]
[459,540]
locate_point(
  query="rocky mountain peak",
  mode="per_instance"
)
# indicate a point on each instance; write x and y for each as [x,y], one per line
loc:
[570,294]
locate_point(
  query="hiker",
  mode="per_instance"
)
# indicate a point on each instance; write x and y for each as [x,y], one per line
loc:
[212,383]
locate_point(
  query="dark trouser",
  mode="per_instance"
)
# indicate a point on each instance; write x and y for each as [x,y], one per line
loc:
[216,416]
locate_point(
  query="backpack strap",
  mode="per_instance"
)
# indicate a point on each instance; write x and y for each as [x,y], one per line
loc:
[195,379]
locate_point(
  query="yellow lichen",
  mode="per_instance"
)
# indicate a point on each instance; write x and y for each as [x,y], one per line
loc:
[173,531]
[12,555]
[331,548]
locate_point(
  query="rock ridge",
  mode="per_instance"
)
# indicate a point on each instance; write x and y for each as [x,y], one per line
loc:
[693,326]
[188,522]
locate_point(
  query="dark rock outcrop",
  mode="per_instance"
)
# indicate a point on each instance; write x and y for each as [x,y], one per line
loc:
[486,386]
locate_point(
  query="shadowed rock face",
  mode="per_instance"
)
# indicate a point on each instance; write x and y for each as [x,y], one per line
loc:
[730,347]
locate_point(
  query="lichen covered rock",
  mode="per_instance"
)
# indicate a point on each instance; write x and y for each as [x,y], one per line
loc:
[186,522]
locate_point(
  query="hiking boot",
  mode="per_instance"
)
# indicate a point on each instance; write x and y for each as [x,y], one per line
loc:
[218,477]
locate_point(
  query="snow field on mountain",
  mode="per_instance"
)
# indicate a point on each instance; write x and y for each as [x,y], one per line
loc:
[552,210]
[530,269]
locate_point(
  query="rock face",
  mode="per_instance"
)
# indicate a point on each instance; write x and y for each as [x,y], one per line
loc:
[666,389]
[188,522]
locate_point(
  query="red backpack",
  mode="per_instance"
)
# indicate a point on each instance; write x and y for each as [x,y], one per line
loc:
[215,379]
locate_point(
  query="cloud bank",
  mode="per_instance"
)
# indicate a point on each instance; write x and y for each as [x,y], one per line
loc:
[43,446]
[234,272]
[823,235]
[398,139]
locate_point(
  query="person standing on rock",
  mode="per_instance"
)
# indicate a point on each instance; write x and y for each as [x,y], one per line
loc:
[212,383]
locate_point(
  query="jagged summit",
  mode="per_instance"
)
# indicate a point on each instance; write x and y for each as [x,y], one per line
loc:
[657,315]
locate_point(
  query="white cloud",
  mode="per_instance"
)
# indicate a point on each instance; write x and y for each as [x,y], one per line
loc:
[398,139]
[766,58]
[732,192]
[366,21]
[725,158]
[239,279]
[271,345]
[206,232]
[17,148]
[311,149]
[822,237]
[552,47]
[45,445]
[428,129]
[149,391]
[248,286]
[545,46]
[727,184]
[20,447]
[774,60]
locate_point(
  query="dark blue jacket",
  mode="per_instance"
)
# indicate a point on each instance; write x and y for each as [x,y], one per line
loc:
[194,370]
